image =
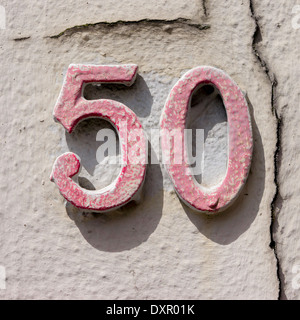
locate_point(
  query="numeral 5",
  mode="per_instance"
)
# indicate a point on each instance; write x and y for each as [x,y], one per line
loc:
[71,108]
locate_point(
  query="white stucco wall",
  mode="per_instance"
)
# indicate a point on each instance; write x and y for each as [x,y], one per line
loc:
[158,249]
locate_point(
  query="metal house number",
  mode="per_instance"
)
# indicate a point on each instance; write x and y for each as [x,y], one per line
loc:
[71,108]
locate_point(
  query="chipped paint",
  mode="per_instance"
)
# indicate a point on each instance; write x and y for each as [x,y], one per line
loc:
[71,108]
[219,197]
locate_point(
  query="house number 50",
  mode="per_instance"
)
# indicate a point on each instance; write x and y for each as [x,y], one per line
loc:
[71,108]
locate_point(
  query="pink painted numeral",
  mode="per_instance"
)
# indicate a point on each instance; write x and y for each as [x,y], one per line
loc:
[70,108]
[240,140]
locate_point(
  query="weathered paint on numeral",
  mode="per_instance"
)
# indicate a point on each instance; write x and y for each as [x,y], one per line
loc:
[240,141]
[70,108]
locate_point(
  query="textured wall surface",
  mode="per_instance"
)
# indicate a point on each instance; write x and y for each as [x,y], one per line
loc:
[159,248]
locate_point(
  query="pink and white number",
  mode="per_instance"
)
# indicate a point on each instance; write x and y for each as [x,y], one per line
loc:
[240,141]
[71,108]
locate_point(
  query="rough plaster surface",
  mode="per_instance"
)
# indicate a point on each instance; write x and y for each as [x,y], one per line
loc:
[158,249]
[279,48]
[27,18]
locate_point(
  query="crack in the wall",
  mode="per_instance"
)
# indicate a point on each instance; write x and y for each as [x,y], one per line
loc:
[277,196]
[146,22]
[21,39]
[257,38]
[204,6]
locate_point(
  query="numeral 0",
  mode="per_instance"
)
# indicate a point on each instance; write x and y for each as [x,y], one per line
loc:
[240,139]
